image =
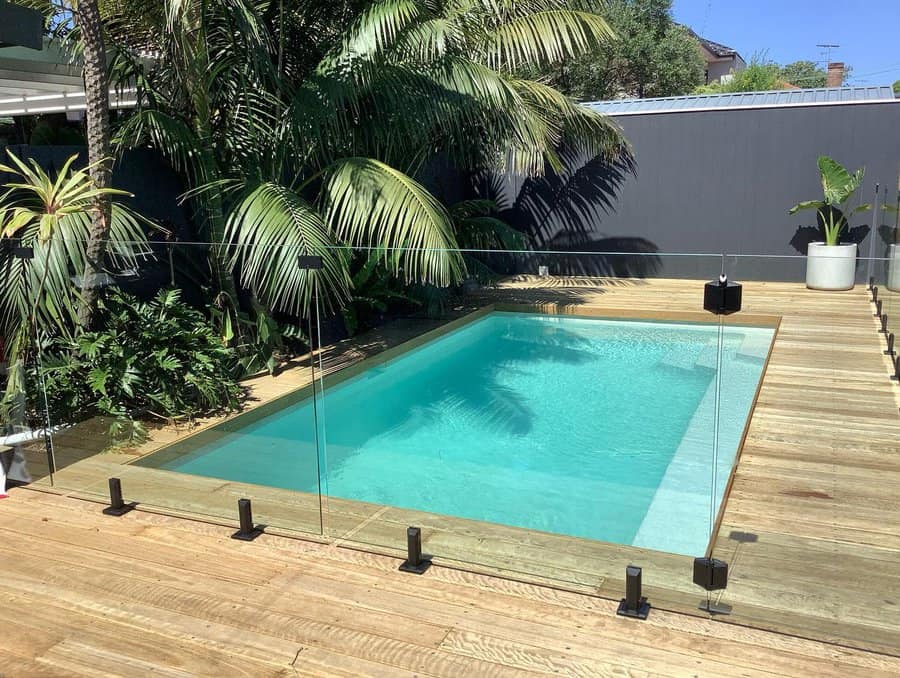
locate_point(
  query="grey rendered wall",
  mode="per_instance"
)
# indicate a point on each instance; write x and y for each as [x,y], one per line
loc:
[723,181]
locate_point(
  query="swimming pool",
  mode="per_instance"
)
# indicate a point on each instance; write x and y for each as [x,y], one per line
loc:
[593,428]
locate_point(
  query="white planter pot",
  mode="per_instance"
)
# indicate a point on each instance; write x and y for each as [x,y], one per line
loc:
[830,267]
[893,278]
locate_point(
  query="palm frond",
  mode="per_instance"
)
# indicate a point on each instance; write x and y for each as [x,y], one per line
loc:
[269,229]
[370,204]
[376,28]
[170,136]
[543,38]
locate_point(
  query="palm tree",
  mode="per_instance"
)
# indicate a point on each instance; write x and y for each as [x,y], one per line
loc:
[96,90]
[79,23]
[315,149]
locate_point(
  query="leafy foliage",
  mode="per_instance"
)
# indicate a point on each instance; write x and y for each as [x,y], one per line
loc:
[838,186]
[652,57]
[804,74]
[759,76]
[481,230]
[301,125]
[374,290]
[159,359]
[762,75]
[51,216]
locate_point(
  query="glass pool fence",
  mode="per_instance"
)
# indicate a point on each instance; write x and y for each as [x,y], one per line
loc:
[552,417]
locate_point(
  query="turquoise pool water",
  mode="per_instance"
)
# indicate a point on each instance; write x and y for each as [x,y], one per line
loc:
[593,428]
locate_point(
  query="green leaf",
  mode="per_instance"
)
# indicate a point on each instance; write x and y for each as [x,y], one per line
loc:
[97,378]
[837,183]
[807,205]
[369,204]
[269,229]
[545,37]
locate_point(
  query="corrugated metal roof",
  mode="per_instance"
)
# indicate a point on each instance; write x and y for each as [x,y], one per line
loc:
[826,96]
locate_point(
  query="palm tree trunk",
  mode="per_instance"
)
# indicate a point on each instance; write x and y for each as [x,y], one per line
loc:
[96,89]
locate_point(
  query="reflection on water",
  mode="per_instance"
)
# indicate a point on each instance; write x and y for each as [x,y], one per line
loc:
[561,424]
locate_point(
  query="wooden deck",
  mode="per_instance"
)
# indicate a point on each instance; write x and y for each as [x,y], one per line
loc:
[86,594]
[811,530]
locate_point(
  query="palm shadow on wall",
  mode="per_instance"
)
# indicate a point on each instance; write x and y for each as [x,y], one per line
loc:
[562,212]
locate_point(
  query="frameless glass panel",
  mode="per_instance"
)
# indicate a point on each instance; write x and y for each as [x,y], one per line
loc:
[249,448]
[165,393]
[887,279]
[25,445]
[550,424]
[815,475]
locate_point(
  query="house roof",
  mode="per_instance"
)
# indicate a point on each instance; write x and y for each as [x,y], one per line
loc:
[717,49]
[786,98]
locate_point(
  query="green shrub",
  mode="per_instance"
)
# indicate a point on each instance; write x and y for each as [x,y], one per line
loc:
[151,360]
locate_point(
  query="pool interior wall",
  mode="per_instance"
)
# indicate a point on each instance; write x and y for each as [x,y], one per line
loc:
[594,428]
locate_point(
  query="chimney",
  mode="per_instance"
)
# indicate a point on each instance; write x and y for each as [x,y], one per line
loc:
[835,74]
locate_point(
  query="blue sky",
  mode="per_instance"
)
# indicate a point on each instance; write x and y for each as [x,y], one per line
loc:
[788,30]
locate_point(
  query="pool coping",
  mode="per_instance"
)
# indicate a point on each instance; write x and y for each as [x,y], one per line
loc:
[185,445]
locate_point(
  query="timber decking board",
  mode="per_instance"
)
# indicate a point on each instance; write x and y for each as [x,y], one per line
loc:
[816,486]
[179,597]
[825,515]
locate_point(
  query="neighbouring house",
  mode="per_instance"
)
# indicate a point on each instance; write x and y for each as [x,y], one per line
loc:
[721,61]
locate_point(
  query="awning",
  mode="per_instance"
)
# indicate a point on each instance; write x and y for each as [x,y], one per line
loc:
[46,81]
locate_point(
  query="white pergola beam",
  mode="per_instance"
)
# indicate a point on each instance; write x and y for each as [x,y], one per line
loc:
[61,102]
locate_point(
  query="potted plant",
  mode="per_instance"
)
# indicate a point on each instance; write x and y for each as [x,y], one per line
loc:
[831,265]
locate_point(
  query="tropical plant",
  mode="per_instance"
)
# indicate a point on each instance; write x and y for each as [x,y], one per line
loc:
[373,291]
[258,339]
[305,142]
[653,57]
[480,230]
[152,360]
[838,186]
[51,218]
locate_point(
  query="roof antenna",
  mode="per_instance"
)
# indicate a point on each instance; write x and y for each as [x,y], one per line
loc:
[827,49]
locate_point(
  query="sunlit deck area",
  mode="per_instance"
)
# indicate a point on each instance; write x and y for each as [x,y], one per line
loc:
[85,594]
[810,530]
